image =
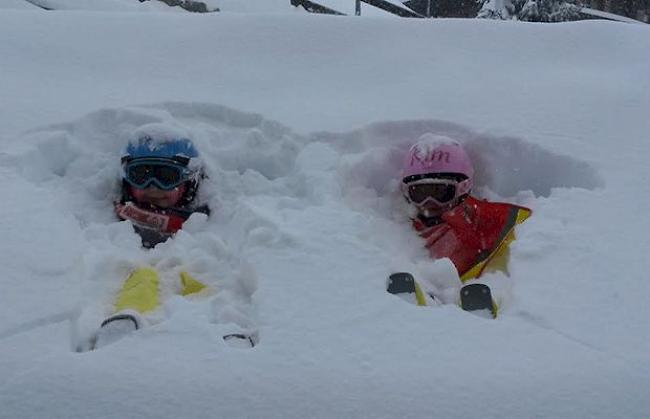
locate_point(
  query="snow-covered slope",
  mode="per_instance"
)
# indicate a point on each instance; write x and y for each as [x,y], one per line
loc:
[89,5]
[237,6]
[253,6]
[307,222]
[16,4]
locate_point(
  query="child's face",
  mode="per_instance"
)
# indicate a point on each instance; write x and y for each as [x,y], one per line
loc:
[158,197]
[433,210]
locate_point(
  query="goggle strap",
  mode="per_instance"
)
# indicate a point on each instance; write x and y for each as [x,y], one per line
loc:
[463,188]
[182,160]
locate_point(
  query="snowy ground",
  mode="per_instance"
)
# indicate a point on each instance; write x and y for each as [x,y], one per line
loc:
[225,6]
[307,222]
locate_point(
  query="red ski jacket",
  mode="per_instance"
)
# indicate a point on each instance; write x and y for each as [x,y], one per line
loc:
[472,234]
[155,225]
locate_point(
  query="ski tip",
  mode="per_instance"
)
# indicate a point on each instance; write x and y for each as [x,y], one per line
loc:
[121,317]
[478,298]
[400,283]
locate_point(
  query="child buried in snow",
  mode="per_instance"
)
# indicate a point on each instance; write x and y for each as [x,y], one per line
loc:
[160,182]
[437,179]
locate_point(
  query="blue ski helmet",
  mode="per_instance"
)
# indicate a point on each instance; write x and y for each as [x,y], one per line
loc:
[177,155]
[181,149]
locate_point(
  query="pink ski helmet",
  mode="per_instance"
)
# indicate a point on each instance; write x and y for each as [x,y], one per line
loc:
[436,156]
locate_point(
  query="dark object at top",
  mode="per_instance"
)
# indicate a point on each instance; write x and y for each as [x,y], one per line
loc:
[312,7]
[189,5]
[444,8]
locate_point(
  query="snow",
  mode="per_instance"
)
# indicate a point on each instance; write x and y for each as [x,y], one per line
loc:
[16,4]
[91,5]
[157,134]
[428,142]
[302,122]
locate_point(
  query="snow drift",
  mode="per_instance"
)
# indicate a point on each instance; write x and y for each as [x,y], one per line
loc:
[308,222]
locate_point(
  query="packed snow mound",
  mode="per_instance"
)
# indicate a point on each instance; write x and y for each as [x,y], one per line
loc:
[289,252]
[264,155]
[255,169]
[79,165]
[505,167]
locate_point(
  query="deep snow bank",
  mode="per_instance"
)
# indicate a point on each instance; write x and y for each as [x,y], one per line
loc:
[332,73]
[292,250]
[307,226]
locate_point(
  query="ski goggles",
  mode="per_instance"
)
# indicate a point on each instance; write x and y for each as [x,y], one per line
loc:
[439,191]
[164,175]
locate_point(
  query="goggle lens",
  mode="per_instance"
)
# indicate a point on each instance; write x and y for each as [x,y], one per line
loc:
[164,176]
[440,192]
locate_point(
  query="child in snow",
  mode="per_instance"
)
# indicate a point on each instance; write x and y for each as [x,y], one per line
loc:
[474,234]
[160,182]
[159,186]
